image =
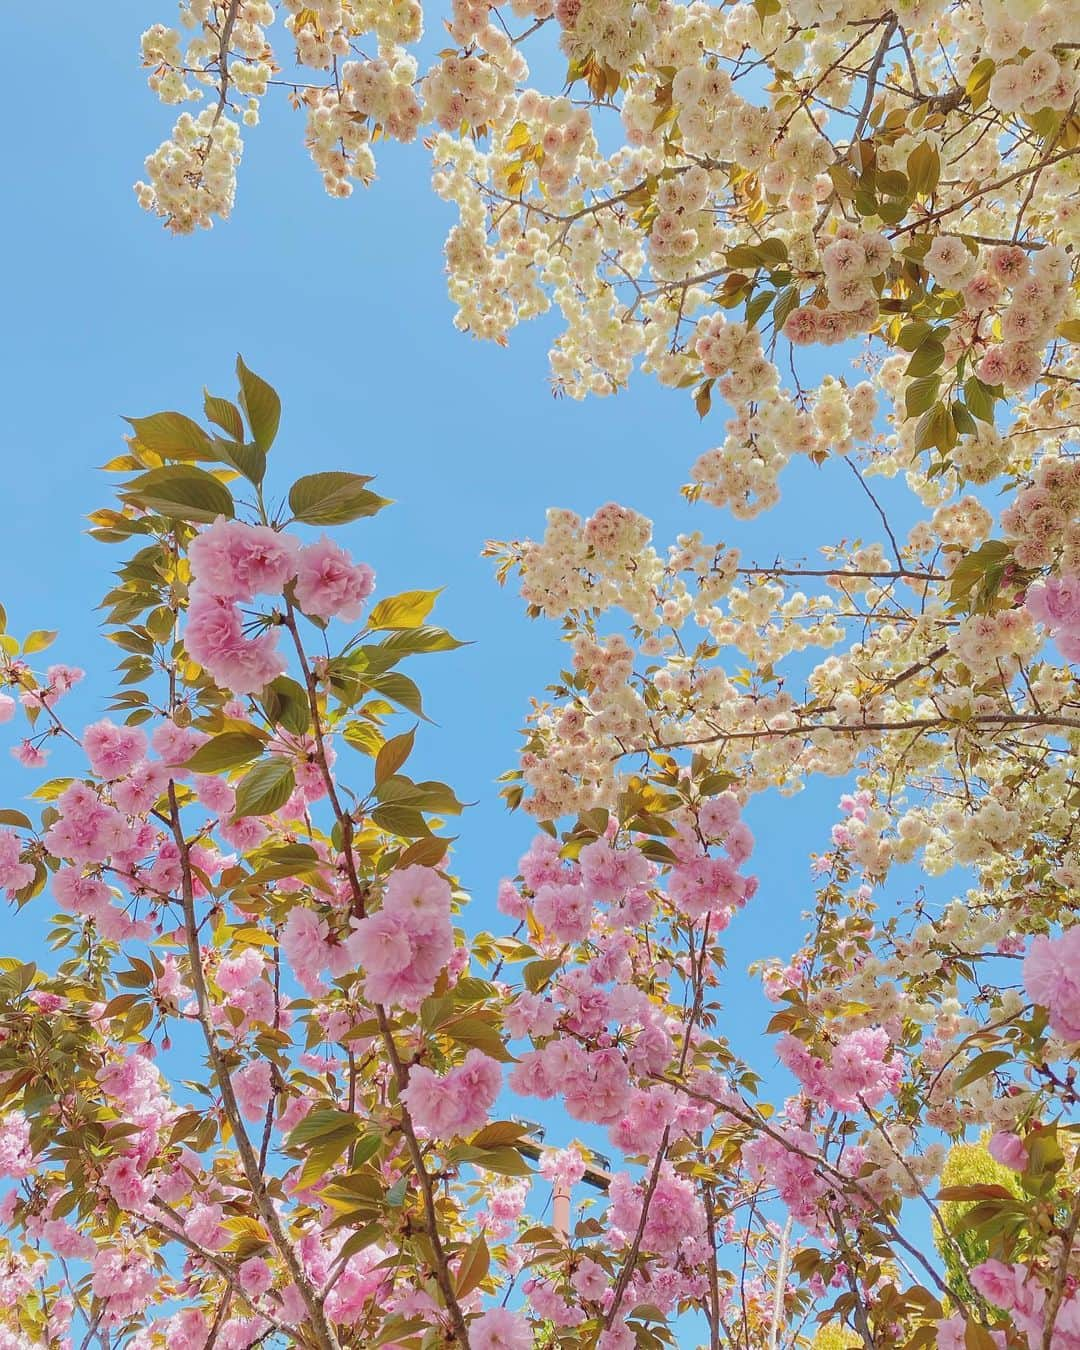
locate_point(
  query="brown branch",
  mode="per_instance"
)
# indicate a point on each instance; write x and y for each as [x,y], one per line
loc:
[630,1263]
[320,1325]
[442,1268]
[899,574]
[859,729]
[1057,1292]
[983,191]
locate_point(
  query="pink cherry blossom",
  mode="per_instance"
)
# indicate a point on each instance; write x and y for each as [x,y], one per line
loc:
[255,1276]
[234,561]
[89,830]
[329,584]
[995,1281]
[304,942]
[417,891]
[113,751]
[609,873]
[564,910]
[675,1212]
[141,787]
[174,743]
[1008,1149]
[381,944]
[457,1102]
[215,638]
[1052,979]
[16,1156]
[253,1085]
[125,1282]
[500,1329]
[1055,602]
[29,755]
[126,1184]
[590,1279]
[14,875]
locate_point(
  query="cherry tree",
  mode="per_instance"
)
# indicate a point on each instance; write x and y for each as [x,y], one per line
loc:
[248,875]
[345,1171]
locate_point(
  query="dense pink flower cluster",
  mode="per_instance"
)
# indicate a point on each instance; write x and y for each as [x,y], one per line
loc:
[14,875]
[1014,1289]
[16,1155]
[231,564]
[676,1215]
[1052,979]
[788,1164]
[403,947]
[457,1102]
[500,1329]
[1055,603]
[857,1073]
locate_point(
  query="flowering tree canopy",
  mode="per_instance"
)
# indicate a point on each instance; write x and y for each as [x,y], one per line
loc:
[251,881]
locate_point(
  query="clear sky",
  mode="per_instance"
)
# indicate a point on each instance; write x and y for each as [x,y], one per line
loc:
[343,307]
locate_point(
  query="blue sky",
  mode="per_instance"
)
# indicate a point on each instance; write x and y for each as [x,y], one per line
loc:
[343,307]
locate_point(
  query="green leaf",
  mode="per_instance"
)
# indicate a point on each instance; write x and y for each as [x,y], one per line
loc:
[963,421]
[266,788]
[245,457]
[285,703]
[985,1191]
[364,1238]
[262,405]
[181,492]
[321,1123]
[38,640]
[756,307]
[225,752]
[438,797]
[405,821]
[1044,1152]
[393,755]
[936,428]
[981,1065]
[393,685]
[170,434]
[786,302]
[407,610]
[283,860]
[427,852]
[497,1132]
[413,641]
[977,576]
[506,1161]
[479,1035]
[333,498]
[770,253]
[921,394]
[473,1267]
[912,335]
[980,399]
[977,86]
[426,796]
[15,818]
[924,169]
[325,1154]
[537,973]
[927,358]
[224,414]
